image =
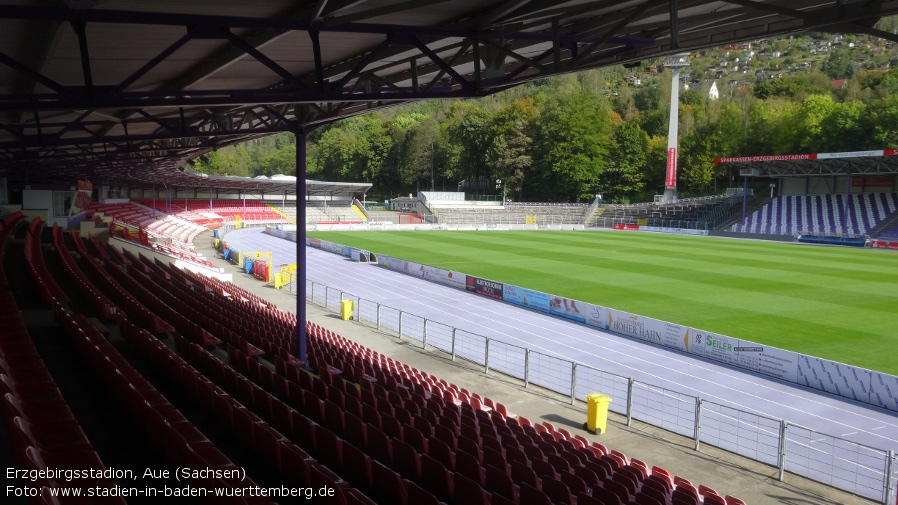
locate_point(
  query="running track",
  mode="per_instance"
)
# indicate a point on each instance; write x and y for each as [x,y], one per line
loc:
[645,363]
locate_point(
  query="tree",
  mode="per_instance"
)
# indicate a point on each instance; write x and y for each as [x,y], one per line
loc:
[280,161]
[843,129]
[810,120]
[882,121]
[771,127]
[647,98]
[574,143]
[623,178]
[691,97]
[420,155]
[470,131]
[836,66]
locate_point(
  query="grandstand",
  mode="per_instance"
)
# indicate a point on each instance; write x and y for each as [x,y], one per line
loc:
[820,214]
[227,211]
[850,194]
[451,208]
[513,213]
[205,373]
[702,213]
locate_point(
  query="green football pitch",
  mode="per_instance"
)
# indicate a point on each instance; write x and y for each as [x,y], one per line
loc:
[836,303]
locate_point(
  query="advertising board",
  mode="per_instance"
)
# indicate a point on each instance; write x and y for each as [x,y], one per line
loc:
[484,287]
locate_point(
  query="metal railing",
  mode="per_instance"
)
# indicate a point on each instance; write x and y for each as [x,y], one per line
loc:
[862,470]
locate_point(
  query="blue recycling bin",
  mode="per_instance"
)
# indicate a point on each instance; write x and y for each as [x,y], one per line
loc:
[248,264]
[227,253]
[214,233]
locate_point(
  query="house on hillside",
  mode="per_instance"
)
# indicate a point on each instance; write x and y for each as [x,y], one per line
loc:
[713,93]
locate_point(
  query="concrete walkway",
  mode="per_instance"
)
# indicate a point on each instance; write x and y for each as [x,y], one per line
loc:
[727,473]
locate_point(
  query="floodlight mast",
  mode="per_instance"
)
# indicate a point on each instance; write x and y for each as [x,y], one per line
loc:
[675,63]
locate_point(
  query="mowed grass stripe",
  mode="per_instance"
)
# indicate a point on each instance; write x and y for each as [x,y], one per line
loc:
[836,303]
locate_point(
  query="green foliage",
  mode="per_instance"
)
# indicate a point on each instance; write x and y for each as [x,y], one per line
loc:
[623,178]
[785,87]
[691,97]
[575,135]
[647,98]
[838,63]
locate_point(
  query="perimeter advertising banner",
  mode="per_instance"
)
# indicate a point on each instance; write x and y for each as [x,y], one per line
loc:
[527,298]
[581,312]
[836,378]
[441,276]
[648,329]
[485,287]
[745,354]
[884,390]
[681,231]
[394,264]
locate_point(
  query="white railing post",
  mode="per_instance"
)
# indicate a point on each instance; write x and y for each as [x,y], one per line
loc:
[453,343]
[697,432]
[486,357]
[424,337]
[782,449]
[400,325]
[629,401]
[526,367]
[573,382]
[891,485]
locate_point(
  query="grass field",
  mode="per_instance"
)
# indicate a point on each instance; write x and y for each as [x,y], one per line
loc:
[835,303]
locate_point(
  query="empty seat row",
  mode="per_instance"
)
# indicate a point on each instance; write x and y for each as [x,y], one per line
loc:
[179,441]
[42,430]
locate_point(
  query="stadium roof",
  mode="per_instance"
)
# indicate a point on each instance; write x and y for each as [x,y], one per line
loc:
[126,91]
[798,165]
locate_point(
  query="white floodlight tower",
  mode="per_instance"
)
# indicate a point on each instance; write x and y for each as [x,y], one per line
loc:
[675,63]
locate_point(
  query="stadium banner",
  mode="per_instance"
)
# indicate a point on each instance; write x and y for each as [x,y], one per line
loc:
[745,354]
[394,264]
[331,247]
[279,233]
[484,287]
[440,276]
[770,361]
[648,329]
[527,298]
[567,309]
[681,231]
[629,227]
[595,315]
[836,378]
[884,390]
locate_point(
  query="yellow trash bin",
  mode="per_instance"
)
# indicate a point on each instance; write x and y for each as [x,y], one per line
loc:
[346,308]
[597,412]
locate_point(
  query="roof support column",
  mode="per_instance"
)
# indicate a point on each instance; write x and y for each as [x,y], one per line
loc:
[301,243]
